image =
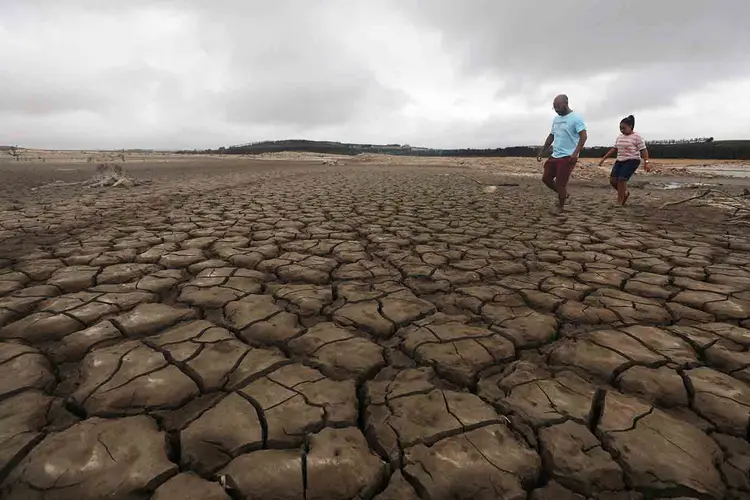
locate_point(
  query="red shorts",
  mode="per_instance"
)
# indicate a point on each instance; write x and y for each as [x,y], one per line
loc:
[559,169]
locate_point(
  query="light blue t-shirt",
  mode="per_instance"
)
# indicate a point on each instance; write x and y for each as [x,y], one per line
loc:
[566,129]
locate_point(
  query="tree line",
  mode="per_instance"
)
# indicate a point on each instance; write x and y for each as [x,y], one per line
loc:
[699,148]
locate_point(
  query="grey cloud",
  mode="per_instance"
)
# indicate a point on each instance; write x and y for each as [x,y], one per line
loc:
[34,98]
[284,66]
[582,37]
[534,42]
[112,91]
[295,71]
[311,103]
[198,74]
[658,87]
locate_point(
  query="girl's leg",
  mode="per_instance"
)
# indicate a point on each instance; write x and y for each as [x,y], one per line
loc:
[613,183]
[622,187]
[614,178]
[622,191]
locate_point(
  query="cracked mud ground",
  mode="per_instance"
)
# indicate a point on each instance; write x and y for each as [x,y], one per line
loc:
[287,332]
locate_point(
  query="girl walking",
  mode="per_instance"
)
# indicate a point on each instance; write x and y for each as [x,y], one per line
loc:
[630,148]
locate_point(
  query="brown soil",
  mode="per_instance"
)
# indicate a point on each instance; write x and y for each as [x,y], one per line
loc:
[279,329]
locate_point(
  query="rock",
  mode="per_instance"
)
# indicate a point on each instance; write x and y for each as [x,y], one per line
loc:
[213,357]
[130,378]
[379,309]
[554,491]
[74,278]
[22,417]
[296,400]
[123,273]
[402,307]
[273,474]
[305,300]
[225,431]
[215,292]
[401,417]
[147,319]
[631,309]
[398,489]
[721,399]
[525,326]
[577,460]
[662,386]
[484,464]
[730,358]
[736,466]
[365,316]
[41,328]
[95,458]
[339,353]
[261,320]
[39,270]
[23,368]
[182,258]
[188,486]
[75,346]
[537,397]
[457,351]
[673,348]
[602,353]
[343,454]
[657,451]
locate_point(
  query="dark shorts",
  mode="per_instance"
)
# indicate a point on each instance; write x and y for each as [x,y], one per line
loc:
[624,169]
[558,169]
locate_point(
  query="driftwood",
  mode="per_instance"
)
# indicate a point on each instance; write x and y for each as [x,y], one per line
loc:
[107,175]
[485,184]
[680,202]
[737,205]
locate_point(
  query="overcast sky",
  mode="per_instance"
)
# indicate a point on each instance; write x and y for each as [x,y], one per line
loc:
[439,73]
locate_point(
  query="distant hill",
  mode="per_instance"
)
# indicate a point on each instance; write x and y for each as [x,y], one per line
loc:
[703,148]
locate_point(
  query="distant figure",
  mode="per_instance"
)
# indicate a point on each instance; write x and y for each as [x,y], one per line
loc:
[567,139]
[630,148]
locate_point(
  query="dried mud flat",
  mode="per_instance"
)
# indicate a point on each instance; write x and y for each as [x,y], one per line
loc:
[271,330]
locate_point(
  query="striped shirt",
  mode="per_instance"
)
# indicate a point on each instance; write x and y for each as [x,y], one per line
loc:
[629,147]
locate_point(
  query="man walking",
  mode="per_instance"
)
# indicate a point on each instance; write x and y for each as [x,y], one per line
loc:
[567,139]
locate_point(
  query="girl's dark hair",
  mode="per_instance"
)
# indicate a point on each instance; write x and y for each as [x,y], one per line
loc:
[630,120]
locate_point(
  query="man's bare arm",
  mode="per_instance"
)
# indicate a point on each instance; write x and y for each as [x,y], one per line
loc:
[547,144]
[582,138]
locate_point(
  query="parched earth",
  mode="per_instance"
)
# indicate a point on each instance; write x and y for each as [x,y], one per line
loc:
[308,332]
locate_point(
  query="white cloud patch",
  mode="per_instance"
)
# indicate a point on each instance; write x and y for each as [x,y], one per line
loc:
[193,74]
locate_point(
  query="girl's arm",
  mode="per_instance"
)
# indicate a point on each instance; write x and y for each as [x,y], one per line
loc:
[646,159]
[609,153]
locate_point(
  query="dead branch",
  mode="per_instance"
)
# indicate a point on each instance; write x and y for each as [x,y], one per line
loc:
[737,206]
[696,197]
[15,152]
[56,184]
[485,184]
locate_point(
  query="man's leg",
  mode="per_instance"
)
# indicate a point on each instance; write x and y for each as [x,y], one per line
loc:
[562,194]
[561,181]
[550,171]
